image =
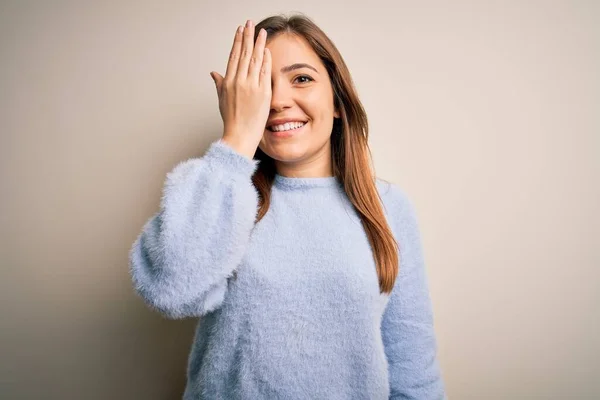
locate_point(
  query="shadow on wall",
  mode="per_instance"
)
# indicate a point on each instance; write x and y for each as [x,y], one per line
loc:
[151,349]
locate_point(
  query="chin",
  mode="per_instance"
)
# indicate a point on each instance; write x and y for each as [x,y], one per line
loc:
[285,152]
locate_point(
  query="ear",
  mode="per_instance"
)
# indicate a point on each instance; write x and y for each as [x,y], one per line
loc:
[336,114]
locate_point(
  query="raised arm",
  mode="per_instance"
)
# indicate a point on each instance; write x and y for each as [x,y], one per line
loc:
[181,260]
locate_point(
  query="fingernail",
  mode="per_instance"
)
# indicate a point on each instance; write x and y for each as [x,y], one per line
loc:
[248,23]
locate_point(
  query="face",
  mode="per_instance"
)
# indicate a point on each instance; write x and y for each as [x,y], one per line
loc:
[303,94]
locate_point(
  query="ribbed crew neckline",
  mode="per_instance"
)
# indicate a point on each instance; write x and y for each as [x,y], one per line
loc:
[286,182]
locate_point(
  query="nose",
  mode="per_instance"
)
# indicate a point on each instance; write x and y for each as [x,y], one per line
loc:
[281,97]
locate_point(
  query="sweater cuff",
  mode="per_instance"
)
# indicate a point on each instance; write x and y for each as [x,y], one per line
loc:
[223,157]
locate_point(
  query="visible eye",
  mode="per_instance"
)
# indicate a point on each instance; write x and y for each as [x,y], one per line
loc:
[305,76]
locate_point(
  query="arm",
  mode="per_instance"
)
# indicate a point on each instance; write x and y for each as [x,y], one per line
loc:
[407,324]
[185,253]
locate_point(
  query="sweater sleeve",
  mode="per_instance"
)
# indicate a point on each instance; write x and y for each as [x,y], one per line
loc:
[181,261]
[407,324]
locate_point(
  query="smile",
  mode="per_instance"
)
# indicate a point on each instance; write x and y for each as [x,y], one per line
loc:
[288,132]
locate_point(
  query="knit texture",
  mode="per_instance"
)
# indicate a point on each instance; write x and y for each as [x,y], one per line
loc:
[304,317]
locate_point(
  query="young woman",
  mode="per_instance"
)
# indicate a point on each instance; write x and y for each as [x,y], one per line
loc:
[306,270]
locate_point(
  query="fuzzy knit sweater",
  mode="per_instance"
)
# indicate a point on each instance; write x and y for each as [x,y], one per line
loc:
[303,317]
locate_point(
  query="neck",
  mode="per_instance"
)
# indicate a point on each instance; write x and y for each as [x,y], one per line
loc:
[318,166]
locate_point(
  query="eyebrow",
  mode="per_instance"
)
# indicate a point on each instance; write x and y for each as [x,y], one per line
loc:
[298,66]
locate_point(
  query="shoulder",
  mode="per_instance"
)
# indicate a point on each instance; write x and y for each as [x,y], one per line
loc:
[398,206]
[395,199]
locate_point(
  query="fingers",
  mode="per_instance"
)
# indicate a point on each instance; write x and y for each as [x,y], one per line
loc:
[256,61]
[264,80]
[247,47]
[246,60]
[234,55]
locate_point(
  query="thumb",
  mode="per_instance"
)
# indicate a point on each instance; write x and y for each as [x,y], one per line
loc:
[216,78]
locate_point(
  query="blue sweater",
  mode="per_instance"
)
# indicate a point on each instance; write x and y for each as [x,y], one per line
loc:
[304,318]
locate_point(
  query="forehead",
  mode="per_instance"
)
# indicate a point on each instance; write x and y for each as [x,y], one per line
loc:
[287,49]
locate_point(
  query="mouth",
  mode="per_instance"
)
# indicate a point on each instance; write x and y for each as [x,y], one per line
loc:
[287,133]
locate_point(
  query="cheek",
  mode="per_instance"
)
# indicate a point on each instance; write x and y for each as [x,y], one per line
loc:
[318,104]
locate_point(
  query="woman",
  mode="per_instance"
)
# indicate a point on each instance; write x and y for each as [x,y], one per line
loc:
[305,270]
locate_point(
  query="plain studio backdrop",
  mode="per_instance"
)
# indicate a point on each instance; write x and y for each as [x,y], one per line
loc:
[485,112]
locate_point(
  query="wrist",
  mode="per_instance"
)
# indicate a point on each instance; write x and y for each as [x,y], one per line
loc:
[240,146]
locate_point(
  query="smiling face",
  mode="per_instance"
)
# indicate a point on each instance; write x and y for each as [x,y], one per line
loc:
[301,94]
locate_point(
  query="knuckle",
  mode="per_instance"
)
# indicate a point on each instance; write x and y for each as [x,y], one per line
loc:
[239,84]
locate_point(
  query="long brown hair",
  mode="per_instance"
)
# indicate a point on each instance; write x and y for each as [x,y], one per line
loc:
[351,156]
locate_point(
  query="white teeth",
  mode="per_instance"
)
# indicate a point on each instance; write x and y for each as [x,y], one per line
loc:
[287,126]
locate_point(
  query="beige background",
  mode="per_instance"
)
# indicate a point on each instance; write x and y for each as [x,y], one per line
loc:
[485,112]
